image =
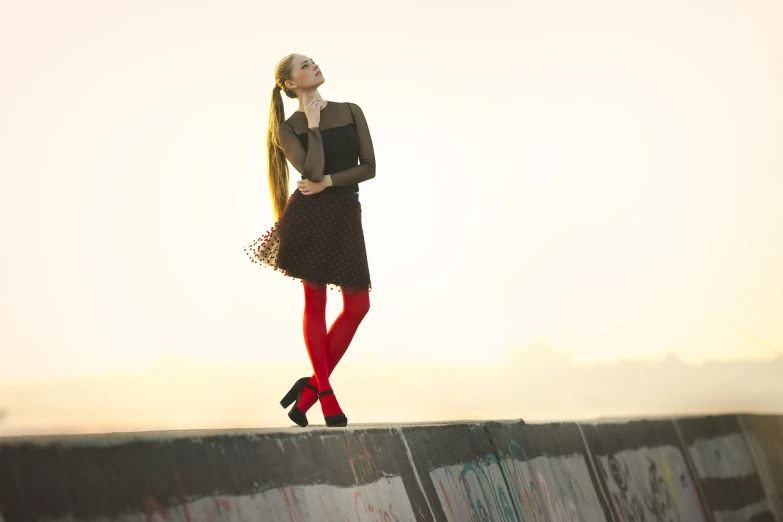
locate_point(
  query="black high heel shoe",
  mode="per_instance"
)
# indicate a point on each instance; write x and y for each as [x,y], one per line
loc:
[295,394]
[340,420]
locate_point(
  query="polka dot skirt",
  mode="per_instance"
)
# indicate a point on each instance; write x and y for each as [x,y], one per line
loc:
[319,239]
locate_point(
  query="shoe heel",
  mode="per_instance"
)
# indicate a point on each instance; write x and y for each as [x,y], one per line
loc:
[290,397]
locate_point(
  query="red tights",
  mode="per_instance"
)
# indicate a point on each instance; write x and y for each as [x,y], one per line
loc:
[327,348]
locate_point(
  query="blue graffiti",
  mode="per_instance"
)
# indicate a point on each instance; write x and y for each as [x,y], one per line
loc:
[513,497]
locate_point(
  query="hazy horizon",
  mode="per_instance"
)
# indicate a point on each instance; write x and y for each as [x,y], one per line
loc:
[604,179]
[178,394]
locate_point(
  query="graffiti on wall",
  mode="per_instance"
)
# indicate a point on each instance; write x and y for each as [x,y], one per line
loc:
[724,465]
[510,487]
[382,501]
[650,485]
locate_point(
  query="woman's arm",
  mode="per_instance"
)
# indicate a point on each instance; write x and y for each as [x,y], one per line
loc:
[366,168]
[308,162]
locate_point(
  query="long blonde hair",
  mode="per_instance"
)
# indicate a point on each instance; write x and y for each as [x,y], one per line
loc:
[275,158]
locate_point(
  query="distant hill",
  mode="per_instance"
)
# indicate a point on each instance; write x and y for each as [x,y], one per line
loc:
[536,382]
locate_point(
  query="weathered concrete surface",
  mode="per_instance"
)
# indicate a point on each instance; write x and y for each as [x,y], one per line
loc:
[723,464]
[727,468]
[764,435]
[644,472]
[548,472]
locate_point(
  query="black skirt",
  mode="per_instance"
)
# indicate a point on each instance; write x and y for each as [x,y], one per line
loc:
[318,239]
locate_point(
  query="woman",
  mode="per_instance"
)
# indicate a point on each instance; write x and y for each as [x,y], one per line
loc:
[318,238]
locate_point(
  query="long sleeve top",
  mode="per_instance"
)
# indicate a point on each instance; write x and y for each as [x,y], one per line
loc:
[334,147]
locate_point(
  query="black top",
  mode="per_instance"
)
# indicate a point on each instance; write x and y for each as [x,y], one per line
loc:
[332,148]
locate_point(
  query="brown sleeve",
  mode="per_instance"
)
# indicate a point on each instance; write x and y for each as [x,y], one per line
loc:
[310,162]
[366,168]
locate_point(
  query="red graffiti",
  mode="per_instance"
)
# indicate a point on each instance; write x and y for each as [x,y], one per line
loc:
[153,509]
[465,494]
[375,514]
[362,465]
[292,506]
[448,500]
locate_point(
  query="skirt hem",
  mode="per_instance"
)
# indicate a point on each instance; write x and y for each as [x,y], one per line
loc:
[300,278]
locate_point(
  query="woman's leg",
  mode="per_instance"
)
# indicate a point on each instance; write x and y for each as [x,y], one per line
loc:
[341,333]
[355,307]
[314,328]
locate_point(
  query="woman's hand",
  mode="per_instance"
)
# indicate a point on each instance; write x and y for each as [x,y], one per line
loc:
[312,109]
[308,188]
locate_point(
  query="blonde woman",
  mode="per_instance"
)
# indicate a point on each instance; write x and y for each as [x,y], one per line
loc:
[317,237]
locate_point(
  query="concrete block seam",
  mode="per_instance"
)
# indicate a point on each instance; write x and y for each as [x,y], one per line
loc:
[594,467]
[692,470]
[502,471]
[415,471]
[773,497]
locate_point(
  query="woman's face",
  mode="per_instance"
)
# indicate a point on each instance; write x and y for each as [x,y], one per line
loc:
[305,73]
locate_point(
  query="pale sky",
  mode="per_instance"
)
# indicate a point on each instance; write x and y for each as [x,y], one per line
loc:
[604,176]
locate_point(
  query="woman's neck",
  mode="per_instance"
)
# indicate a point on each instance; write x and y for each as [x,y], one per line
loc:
[312,95]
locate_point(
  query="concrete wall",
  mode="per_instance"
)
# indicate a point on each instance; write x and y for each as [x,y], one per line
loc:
[725,468]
